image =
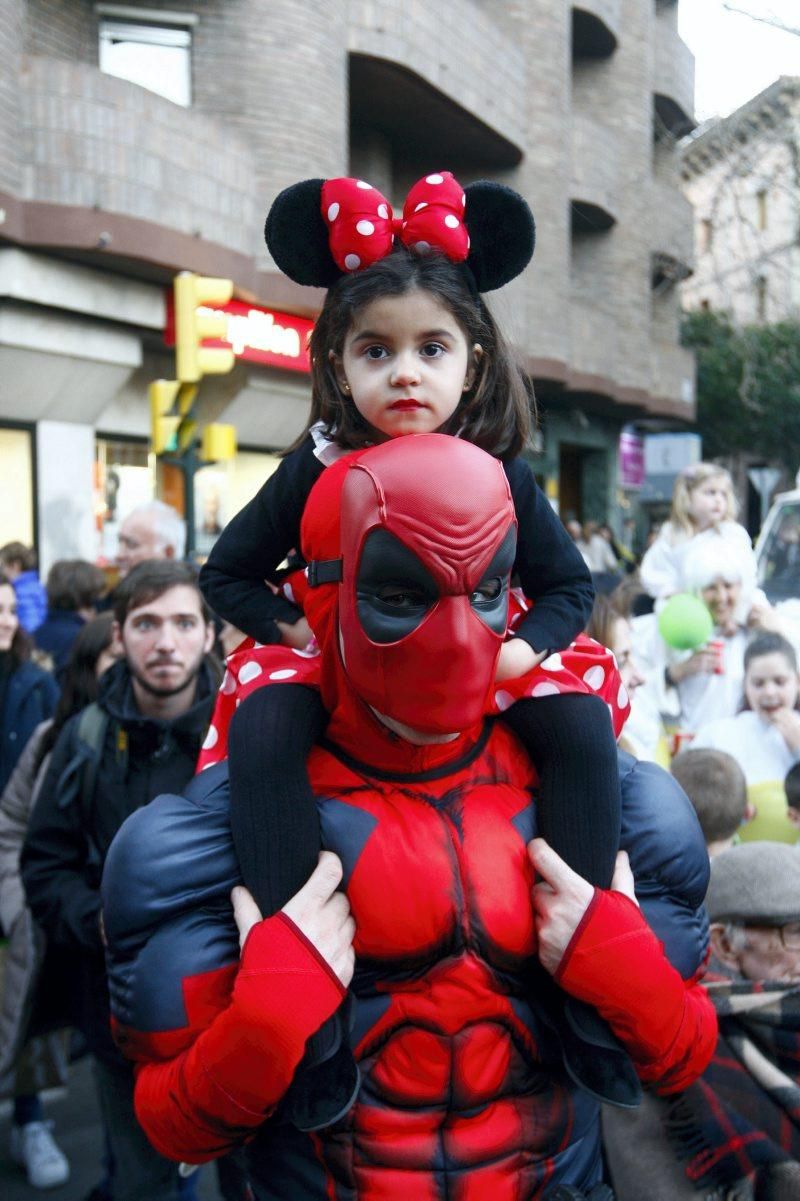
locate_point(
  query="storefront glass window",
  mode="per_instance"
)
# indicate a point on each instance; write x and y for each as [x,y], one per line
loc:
[16,495]
[222,489]
[127,475]
[124,478]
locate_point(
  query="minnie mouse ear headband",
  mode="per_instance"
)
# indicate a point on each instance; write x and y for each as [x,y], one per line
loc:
[319,230]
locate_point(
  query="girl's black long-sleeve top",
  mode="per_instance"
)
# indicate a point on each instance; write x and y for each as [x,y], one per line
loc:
[550,569]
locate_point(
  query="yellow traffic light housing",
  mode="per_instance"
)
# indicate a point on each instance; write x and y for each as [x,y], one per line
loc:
[164,418]
[218,443]
[192,359]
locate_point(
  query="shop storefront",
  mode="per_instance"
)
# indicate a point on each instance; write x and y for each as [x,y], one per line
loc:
[17,523]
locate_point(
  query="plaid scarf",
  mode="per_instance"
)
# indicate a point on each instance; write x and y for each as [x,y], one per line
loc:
[743,1114]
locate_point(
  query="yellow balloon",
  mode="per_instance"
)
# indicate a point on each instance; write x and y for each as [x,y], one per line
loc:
[770,823]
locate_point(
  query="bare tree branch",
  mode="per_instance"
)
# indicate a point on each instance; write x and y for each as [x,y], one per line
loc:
[773,21]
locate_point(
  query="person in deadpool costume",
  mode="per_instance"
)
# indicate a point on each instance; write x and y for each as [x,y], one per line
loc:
[430,807]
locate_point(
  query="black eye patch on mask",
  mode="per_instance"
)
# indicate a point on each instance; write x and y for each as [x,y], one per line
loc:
[490,598]
[394,590]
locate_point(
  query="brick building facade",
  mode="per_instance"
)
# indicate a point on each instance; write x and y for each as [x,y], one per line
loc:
[108,188]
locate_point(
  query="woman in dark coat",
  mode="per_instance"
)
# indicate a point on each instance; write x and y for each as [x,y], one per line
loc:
[28,696]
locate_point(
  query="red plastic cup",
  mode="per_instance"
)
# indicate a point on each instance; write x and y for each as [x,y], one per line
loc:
[680,741]
[717,647]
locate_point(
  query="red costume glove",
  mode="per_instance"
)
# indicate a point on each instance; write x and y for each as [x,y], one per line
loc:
[195,1106]
[616,963]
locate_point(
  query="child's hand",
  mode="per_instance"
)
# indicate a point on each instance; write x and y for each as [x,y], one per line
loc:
[702,662]
[296,636]
[764,617]
[787,723]
[517,658]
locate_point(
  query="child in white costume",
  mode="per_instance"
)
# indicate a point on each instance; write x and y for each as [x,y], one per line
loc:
[702,518]
[692,688]
[764,738]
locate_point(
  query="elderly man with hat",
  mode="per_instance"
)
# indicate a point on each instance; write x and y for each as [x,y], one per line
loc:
[737,1126]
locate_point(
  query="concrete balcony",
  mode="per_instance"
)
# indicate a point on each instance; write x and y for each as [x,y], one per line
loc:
[100,143]
[473,61]
[672,226]
[595,28]
[673,81]
[673,381]
[594,175]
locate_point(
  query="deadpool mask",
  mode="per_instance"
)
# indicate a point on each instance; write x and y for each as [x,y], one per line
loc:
[428,539]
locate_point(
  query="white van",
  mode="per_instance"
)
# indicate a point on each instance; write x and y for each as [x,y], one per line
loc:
[778,549]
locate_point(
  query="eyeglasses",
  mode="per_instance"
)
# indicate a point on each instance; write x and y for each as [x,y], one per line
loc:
[788,934]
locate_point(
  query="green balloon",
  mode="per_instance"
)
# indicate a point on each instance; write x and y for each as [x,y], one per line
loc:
[685,623]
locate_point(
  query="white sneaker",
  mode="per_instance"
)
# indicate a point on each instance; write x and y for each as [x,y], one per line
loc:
[34,1148]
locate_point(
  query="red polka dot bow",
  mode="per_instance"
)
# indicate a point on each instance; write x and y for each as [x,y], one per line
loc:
[362,226]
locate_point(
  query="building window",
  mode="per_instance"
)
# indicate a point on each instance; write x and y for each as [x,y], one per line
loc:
[761,298]
[761,201]
[148,47]
[16,495]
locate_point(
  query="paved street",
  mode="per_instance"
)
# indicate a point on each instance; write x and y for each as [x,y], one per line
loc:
[78,1129]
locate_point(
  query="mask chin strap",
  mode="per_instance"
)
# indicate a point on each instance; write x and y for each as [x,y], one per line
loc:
[324,571]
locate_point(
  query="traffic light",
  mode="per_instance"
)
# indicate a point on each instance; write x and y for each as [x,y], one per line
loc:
[164,418]
[192,359]
[218,443]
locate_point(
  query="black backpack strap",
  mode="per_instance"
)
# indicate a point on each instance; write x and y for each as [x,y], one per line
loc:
[91,733]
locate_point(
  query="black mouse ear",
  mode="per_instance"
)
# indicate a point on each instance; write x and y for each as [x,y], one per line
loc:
[297,236]
[502,234]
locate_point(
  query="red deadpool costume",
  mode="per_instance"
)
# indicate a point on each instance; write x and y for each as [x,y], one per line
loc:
[463,1094]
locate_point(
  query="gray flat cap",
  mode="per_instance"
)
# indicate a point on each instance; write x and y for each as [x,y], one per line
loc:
[756,882]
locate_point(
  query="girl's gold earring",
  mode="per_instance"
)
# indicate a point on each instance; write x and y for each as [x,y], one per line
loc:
[345,387]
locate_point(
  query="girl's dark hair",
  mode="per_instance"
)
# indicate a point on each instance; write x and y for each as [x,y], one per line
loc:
[770,643]
[21,643]
[606,612]
[497,411]
[79,679]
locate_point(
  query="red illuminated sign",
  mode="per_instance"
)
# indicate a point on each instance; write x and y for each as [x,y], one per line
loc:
[256,334]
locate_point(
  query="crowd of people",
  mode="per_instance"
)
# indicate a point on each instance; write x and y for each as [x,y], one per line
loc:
[738,689]
[402,900]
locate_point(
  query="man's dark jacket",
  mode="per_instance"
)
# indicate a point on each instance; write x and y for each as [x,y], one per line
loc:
[69,834]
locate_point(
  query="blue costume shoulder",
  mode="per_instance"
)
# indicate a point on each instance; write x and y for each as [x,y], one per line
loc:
[166,901]
[669,860]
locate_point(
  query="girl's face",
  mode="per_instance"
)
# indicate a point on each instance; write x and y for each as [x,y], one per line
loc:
[708,502]
[770,683]
[406,364]
[9,622]
[722,597]
[622,647]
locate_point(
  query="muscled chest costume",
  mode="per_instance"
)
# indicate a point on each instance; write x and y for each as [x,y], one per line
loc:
[462,1091]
